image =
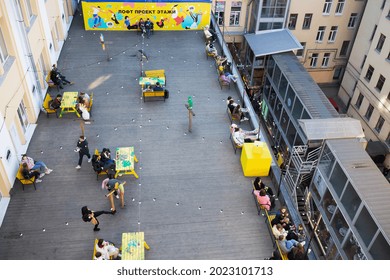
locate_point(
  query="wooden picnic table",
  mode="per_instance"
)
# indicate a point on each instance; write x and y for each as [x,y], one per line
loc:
[151,81]
[68,103]
[124,161]
[133,246]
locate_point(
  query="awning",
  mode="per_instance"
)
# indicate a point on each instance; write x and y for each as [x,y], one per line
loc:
[271,42]
[331,128]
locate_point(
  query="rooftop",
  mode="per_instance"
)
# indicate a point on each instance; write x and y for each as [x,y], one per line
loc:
[191,198]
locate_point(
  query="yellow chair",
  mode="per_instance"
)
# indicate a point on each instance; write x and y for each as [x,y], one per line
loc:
[24,181]
[46,105]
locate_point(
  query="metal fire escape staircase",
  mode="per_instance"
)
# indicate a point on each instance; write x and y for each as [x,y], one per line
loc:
[299,173]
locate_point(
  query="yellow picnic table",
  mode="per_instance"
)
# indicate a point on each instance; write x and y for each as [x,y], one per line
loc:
[133,246]
[151,81]
[124,160]
[68,103]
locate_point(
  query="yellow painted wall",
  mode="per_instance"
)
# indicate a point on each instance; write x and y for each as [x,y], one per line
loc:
[165,16]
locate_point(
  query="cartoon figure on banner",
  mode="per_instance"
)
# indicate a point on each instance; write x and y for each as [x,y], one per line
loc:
[97,20]
[192,20]
[128,24]
[175,15]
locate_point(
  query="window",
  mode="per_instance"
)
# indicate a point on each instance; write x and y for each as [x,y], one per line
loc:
[22,116]
[380,83]
[364,61]
[235,13]
[293,21]
[337,73]
[320,33]
[332,34]
[307,21]
[3,48]
[313,61]
[359,100]
[369,111]
[373,32]
[327,6]
[220,12]
[340,7]
[379,124]
[352,20]
[369,73]
[344,48]
[325,60]
[381,42]
[301,51]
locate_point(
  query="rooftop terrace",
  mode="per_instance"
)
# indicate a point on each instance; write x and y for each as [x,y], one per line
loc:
[191,199]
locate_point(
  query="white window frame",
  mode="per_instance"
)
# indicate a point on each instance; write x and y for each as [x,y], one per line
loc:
[379,124]
[380,83]
[327,7]
[320,34]
[352,20]
[23,116]
[3,49]
[307,21]
[340,7]
[325,60]
[220,12]
[293,19]
[235,13]
[333,33]
[314,59]
[381,42]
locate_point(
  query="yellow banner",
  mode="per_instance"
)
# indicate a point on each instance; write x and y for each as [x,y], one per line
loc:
[123,16]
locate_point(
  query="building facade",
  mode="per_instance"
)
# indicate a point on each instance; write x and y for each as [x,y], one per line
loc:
[325,28]
[32,33]
[366,84]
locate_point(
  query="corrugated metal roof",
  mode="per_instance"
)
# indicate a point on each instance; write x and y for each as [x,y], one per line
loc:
[312,97]
[333,128]
[272,41]
[368,181]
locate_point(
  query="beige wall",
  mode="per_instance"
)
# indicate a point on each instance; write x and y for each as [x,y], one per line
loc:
[301,7]
[16,81]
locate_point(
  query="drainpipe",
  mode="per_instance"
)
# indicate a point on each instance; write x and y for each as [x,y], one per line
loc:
[247,17]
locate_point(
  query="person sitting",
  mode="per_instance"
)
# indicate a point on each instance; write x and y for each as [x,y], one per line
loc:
[40,166]
[141,26]
[228,76]
[28,173]
[263,199]
[220,60]
[209,34]
[278,230]
[287,245]
[297,253]
[241,136]
[148,89]
[85,97]
[99,257]
[105,159]
[301,233]
[61,79]
[107,249]
[280,215]
[239,113]
[82,109]
[258,184]
[158,87]
[275,256]
[55,104]
[231,105]
[148,27]
[210,49]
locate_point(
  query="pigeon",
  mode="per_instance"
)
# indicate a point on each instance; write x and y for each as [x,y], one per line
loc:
[143,55]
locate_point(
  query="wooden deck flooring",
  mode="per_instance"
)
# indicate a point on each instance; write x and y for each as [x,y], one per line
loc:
[191,200]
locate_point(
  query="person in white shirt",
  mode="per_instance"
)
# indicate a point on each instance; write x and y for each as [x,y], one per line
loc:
[241,136]
[107,249]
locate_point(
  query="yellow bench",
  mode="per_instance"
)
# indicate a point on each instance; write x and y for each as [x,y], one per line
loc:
[46,105]
[235,146]
[155,73]
[147,94]
[90,102]
[50,83]
[231,117]
[23,180]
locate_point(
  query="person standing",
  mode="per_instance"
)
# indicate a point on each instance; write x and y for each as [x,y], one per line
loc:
[91,216]
[83,150]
